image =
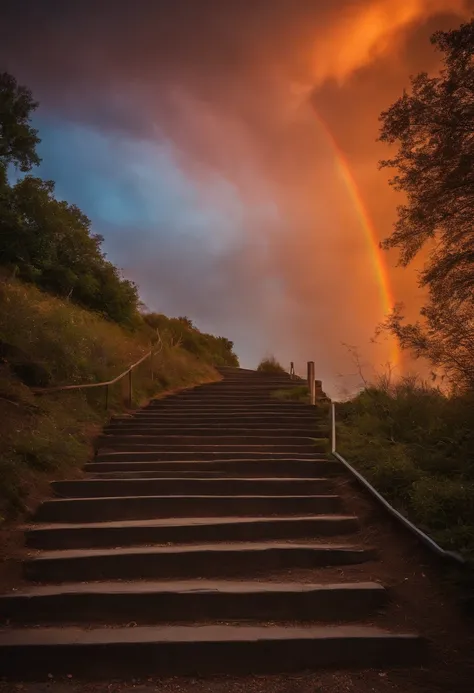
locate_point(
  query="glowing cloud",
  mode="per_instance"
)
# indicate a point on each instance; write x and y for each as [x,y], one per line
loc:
[369,31]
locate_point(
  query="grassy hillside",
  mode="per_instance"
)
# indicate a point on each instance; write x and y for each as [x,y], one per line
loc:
[46,341]
[416,446]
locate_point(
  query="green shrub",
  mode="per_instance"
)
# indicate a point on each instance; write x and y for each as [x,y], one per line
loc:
[416,445]
[293,394]
[443,503]
[270,365]
[181,331]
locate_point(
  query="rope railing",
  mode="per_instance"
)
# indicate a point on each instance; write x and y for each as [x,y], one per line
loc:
[107,383]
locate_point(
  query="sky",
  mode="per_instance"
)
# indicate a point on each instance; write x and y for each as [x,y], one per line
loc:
[227,151]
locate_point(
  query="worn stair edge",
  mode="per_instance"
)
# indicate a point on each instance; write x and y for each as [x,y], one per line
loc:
[141,507]
[113,534]
[216,431]
[170,474]
[99,488]
[198,600]
[205,560]
[246,467]
[131,443]
[217,455]
[103,653]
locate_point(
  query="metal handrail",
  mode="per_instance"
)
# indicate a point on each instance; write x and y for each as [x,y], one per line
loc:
[424,538]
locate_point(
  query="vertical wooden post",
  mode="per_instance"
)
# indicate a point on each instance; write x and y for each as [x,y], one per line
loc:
[311,382]
[292,370]
[333,427]
[130,385]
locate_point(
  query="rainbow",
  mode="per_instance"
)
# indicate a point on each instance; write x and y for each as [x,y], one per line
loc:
[380,270]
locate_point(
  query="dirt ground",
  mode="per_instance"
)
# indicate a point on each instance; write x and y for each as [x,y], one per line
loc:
[424,599]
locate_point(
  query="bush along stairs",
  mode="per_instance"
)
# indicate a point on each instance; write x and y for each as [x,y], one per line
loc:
[206,537]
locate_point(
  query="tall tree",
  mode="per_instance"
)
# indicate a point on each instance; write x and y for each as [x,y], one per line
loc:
[18,139]
[433,127]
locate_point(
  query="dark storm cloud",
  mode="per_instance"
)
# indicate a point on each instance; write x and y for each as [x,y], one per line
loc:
[230,87]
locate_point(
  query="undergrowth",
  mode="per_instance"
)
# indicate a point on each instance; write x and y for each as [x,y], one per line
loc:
[270,365]
[45,341]
[299,393]
[415,444]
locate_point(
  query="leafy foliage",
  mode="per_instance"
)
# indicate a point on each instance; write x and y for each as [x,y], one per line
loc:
[445,337]
[181,331]
[433,128]
[416,445]
[18,139]
[47,241]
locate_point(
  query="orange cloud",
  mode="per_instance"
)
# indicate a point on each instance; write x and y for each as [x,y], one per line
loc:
[370,31]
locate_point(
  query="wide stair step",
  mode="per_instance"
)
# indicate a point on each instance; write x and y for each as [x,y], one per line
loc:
[187,432]
[193,561]
[94,488]
[257,468]
[187,530]
[216,454]
[210,649]
[202,600]
[107,508]
[224,442]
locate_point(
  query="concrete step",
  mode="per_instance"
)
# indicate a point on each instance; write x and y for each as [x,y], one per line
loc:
[258,382]
[185,432]
[209,399]
[189,561]
[222,419]
[248,385]
[146,507]
[227,421]
[196,451]
[156,475]
[203,600]
[95,488]
[270,405]
[264,396]
[187,530]
[243,466]
[212,440]
[103,653]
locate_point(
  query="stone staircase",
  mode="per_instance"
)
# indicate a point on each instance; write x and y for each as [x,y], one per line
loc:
[203,539]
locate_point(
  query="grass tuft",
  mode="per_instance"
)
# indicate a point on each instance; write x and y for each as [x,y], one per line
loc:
[270,365]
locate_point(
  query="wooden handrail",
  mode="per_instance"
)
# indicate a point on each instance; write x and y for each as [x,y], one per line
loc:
[105,383]
[59,388]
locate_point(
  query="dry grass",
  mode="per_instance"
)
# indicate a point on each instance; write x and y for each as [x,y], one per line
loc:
[47,341]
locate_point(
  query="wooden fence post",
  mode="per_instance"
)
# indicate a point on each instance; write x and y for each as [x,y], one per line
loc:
[130,391]
[311,382]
